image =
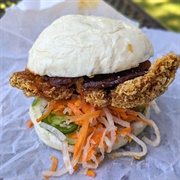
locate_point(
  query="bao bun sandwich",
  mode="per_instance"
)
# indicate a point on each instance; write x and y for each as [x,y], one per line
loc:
[93,84]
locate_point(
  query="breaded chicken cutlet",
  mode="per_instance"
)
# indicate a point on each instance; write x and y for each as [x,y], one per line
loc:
[128,94]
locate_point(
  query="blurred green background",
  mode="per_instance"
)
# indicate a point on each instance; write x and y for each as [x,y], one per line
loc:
[6,3]
[167,12]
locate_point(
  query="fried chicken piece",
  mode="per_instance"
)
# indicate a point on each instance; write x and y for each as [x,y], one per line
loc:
[131,93]
[142,89]
[145,88]
[98,98]
[35,86]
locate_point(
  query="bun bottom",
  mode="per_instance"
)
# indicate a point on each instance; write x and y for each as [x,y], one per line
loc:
[46,137]
[52,141]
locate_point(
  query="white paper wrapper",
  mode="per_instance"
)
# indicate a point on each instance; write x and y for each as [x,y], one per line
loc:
[23,155]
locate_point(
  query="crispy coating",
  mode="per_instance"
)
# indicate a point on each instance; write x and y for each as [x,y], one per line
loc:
[98,97]
[34,86]
[142,89]
[145,88]
[131,93]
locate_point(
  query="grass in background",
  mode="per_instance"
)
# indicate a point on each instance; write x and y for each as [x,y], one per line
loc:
[167,12]
[4,4]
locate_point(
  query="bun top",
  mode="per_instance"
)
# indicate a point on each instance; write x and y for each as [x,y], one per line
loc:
[77,45]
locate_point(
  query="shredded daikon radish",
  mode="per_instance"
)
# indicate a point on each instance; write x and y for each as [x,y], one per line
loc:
[86,165]
[121,122]
[66,158]
[142,116]
[85,171]
[55,174]
[128,153]
[92,141]
[147,114]
[111,128]
[75,161]
[110,141]
[70,148]
[43,105]
[103,120]
[105,138]
[61,171]
[109,116]
[107,141]
[53,130]
[99,130]
[155,107]
[113,137]
[94,123]
[95,161]
[154,142]
[102,154]
[91,165]
[91,120]
[67,110]
[101,144]
[86,147]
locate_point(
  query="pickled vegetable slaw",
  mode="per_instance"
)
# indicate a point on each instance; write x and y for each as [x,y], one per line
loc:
[92,131]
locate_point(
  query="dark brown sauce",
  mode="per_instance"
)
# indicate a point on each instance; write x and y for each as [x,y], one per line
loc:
[98,81]
[60,81]
[109,80]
